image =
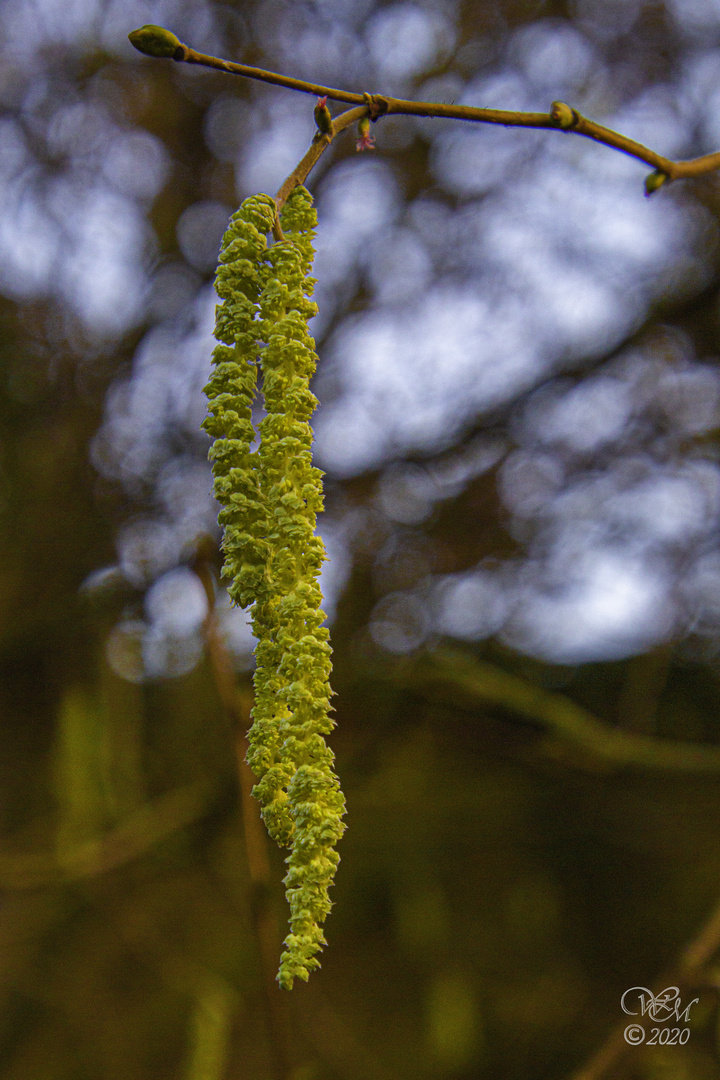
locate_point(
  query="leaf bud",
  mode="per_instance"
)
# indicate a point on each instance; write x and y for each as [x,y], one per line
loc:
[563,116]
[155,41]
[654,181]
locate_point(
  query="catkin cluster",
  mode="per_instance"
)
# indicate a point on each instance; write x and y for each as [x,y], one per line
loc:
[272,558]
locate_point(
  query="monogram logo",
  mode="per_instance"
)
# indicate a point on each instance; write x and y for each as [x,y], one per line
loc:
[661,1007]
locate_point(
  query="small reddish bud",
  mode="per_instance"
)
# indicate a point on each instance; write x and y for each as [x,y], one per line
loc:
[366,141]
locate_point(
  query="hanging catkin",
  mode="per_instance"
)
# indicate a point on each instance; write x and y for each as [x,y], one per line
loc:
[273,558]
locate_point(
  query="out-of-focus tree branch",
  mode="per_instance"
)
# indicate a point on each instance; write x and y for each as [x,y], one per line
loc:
[462,678]
[142,830]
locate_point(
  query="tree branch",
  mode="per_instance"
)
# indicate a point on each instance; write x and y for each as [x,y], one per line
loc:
[473,682]
[158,42]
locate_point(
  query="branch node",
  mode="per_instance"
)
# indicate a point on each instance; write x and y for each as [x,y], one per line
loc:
[563,116]
[377,105]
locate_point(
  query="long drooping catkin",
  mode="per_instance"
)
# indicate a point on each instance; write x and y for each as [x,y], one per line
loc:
[273,558]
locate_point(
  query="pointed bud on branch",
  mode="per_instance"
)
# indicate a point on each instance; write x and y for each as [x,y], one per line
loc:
[157,41]
[323,118]
[654,181]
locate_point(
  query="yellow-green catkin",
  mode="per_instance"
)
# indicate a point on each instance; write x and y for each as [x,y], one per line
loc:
[272,555]
[242,274]
[231,392]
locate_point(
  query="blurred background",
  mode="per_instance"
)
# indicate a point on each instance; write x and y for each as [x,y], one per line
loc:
[520,429]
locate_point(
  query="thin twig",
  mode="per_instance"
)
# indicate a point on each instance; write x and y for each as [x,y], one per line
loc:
[156,41]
